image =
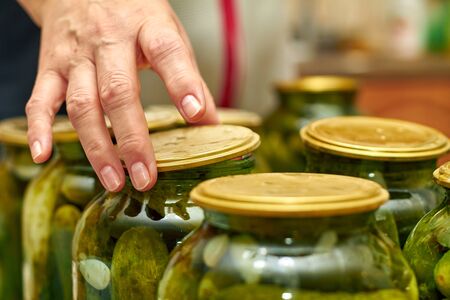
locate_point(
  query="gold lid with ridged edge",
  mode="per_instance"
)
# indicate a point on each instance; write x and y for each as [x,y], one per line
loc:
[289,195]
[63,131]
[375,139]
[442,175]
[185,148]
[318,84]
[227,116]
[14,130]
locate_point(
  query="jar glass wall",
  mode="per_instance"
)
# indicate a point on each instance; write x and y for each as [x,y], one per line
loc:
[412,190]
[239,255]
[53,204]
[16,170]
[428,246]
[301,102]
[123,240]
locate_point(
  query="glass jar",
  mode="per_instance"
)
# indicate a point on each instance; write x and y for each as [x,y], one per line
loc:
[16,170]
[302,101]
[399,155]
[428,246]
[53,204]
[287,236]
[122,242]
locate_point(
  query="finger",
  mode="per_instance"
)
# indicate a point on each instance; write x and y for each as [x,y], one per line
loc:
[119,95]
[46,99]
[170,57]
[86,115]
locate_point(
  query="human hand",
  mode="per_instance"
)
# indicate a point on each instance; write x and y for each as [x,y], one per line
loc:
[90,54]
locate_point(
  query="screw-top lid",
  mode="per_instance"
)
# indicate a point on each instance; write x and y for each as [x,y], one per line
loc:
[289,195]
[239,117]
[375,138]
[63,130]
[14,130]
[227,116]
[185,148]
[318,84]
[442,175]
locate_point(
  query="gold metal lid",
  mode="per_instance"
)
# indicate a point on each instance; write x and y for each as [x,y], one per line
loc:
[375,138]
[318,84]
[63,130]
[442,175]
[289,195]
[190,147]
[227,116]
[14,131]
[239,117]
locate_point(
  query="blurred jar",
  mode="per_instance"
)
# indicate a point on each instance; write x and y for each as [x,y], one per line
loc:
[288,236]
[16,170]
[302,101]
[53,204]
[428,246]
[399,155]
[122,242]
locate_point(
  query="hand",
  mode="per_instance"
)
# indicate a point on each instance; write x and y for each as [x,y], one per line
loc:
[90,54]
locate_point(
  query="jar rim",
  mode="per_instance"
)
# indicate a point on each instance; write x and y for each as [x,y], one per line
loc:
[375,138]
[289,195]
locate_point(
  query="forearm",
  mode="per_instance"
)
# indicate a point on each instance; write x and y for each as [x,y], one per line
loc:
[33,8]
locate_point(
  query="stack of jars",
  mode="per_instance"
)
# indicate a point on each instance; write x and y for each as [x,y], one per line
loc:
[300,102]
[16,170]
[399,155]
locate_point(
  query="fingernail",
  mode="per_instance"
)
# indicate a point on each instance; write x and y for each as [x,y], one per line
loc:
[191,106]
[140,176]
[36,150]
[110,178]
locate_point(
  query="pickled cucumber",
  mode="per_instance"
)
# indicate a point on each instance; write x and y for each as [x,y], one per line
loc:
[442,274]
[139,259]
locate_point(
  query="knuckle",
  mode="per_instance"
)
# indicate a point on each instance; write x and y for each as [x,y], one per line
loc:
[130,143]
[163,45]
[95,149]
[116,90]
[79,104]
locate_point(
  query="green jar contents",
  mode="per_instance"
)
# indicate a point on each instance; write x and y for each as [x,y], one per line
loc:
[302,101]
[123,240]
[16,170]
[53,204]
[287,236]
[428,246]
[399,155]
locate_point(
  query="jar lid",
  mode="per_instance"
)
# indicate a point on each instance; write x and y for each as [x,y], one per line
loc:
[289,195]
[239,117]
[190,147]
[227,116]
[442,175]
[63,130]
[375,138]
[318,84]
[14,131]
